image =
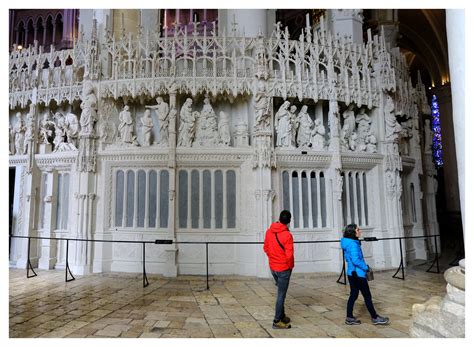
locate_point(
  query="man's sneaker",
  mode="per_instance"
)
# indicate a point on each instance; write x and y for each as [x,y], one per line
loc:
[281,325]
[352,321]
[380,320]
[286,319]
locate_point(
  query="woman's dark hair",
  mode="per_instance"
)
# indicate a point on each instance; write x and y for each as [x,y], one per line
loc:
[350,231]
[285,217]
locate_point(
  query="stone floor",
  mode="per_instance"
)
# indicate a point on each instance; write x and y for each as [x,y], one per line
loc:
[116,305]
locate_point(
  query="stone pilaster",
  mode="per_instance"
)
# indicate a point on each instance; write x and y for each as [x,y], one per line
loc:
[171,267]
[48,247]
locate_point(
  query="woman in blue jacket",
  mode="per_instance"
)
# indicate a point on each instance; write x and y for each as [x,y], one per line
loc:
[356,272]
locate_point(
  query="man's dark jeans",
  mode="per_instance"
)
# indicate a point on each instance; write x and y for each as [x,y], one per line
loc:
[282,280]
[360,284]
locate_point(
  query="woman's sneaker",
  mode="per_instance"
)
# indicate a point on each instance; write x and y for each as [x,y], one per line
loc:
[352,321]
[281,325]
[380,320]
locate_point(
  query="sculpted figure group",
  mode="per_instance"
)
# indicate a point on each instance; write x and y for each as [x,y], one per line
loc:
[300,131]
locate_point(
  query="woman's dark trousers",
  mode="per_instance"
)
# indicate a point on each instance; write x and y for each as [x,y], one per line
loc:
[360,284]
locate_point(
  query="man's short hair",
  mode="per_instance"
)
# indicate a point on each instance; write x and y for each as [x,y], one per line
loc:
[285,217]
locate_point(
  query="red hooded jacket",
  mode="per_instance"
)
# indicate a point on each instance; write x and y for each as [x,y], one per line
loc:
[279,259]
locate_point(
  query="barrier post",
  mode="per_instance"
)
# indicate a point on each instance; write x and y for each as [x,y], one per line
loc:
[343,271]
[207,265]
[28,265]
[435,259]
[145,279]
[68,270]
[401,266]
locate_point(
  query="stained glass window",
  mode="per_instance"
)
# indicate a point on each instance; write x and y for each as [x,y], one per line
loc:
[436,128]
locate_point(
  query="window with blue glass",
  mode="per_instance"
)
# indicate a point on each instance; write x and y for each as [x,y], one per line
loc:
[437,147]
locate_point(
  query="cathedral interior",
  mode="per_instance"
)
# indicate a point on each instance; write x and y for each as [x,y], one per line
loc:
[59,59]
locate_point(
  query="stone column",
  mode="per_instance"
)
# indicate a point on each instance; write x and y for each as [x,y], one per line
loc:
[346,23]
[29,216]
[446,317]
[171,267]
[48,247]
[456,40]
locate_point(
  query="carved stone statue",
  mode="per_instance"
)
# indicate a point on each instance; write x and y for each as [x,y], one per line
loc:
[59,130]
[11,139]
[224,129]
[371,144]
[47,129]
[392,128]
[334,122]
[126,126]
[30,129]
[318,141]
[241,135]
[147,127]
[19,131]
[107,128]
[72,129]
[162,112]
[363,130]
[187,122]
[406,133]
[284,128]
[209,122]
[305,127]
[262,109]
[347,138]
[89,109]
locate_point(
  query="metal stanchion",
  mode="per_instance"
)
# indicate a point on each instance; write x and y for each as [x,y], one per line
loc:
[28,265]
[436,260]
[145,279]
[68,270]
[343,271]
[207,265]
[401,266]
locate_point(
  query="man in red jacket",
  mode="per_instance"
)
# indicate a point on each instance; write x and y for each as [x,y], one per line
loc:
[278,246]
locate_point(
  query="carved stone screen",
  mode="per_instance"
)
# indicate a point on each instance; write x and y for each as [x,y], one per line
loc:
[305,197]
[62,198]
[212,203]
[354,198]
[141,199]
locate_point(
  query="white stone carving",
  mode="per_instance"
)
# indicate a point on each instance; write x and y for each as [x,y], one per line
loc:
[262,109]
[107,128]
[89,109]
[294,125]
[392,127]
[11,139]
[71,125]
[126,127]
[241,135]
[47,129]
[318,140]
[187,124]
[305,128]
[348,128]
[224,129]
[30,132]
[283,126]
[162,112]
[206,126]
[19,130]
[59,131]
[147,127]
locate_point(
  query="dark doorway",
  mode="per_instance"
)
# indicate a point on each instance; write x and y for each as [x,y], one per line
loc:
[11,191]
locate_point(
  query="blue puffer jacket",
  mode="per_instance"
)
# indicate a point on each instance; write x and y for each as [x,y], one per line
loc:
[354,257]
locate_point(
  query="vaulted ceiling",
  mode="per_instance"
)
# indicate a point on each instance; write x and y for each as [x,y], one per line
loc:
[422,37]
